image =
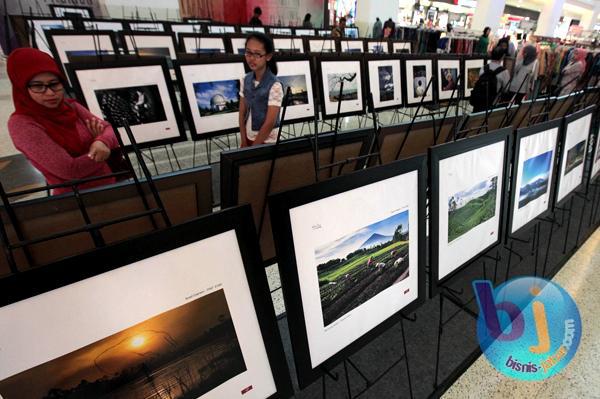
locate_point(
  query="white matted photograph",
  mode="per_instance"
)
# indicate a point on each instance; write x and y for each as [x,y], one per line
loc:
[112,335]
[103,25]
[356,269]
[296,75]
[352,46]
[212,92]
[304,32]
[203,44]
[448,78]
[280,31]
[385,83]
[291,45]
[534,167]
[377,47]
[185,28]
[37,38]
[149,45]
[471,71]
[59,11]
[418,76]
[401,47]
[139,94]
[321,45]
[238,45]
[573,156]
[250,29]
[333,73]
[221,29]
[470,193]
[147,26]
[596,159]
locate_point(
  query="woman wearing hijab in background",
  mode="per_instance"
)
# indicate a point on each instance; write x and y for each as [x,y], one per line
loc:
[573,71]
[61,138]
[524,74]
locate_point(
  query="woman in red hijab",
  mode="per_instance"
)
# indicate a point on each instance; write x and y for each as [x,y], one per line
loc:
[61,138]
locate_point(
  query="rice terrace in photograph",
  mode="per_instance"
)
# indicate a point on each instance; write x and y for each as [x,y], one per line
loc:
[182,353]
[469,208]
[356,267]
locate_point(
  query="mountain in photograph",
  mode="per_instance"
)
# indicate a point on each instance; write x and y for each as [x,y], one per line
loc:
[575,156]
[535,177]
[376,239]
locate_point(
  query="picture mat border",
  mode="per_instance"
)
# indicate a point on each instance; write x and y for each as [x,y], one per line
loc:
[566,120]
[409,58]
[368,58]
[281,203]
[53,8]
[22,286]
[72,69]
[520,135]
[322,92]
[447,150]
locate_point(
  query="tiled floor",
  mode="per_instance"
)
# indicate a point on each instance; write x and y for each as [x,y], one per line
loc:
[580,379]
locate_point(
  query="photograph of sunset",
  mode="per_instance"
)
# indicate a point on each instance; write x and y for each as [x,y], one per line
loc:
[179,354]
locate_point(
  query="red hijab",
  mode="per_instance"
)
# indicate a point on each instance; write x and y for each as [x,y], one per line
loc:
[60,122]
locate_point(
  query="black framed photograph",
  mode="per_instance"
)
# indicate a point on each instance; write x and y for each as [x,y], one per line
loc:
[471,69]
[37,26]
[468,182]
[67,45]
[185,28]
[194,43]
[60,11]
[449,77]
[575,136]
[400,47]
[304,32]
[351,32]
[154,26]
[533,174]
[384,75]
[348,272]
[220,29]
[325,45]
[252,29]
[418,72]
[374,46]
[184,311]
[295,73]
[115,26]
[351,45]
[139,91]
[288,45]
[237,44]
[150,44]
[278,30]
[595,168]
[323,32]
[333,70]
[210,94]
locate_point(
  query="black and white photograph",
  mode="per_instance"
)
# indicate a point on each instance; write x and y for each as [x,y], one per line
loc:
[201,337]
[139,91]
[469,176]
[419,73]
[333,73]
[354,268]
[136,104]
[210,93]
[533,177]
[385,82]
[449,78]
[296,74]
[575,138]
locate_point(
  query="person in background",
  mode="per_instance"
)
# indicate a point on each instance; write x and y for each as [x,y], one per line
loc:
[389,28]
[507,45]
[340,29]
[484,41]
[61,138]
[496,68]
[377,29]
[572,71]
[261,93]
[524,74]
[255,20]
[306,23]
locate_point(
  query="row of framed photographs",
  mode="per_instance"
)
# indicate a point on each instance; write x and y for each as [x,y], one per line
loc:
[210,89]
[187,310]
[349,272]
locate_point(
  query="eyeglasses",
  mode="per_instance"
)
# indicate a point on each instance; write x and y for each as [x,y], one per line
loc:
[252,55]
[40,88]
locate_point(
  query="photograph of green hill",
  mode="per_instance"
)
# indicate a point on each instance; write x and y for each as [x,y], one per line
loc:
[356,267]
[469,208]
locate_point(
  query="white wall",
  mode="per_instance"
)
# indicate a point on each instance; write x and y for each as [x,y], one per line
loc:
[368,10]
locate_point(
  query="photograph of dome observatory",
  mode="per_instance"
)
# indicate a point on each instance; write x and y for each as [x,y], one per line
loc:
[219,97]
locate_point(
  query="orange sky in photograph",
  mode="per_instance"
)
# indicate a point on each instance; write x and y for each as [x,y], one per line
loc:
[120,351]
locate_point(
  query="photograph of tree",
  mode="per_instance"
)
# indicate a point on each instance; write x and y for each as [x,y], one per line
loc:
[419,80]
[469,208]
[386,83]
[350,90]
[137,104]
[182,353]
[219,97]
[534,178]
[449,78]
[472,77]
[298,90]
[153,52]
[356,267]
[575,156]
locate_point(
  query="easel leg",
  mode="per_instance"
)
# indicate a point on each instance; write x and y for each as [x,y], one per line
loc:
[439,341]
[406,358]
[548,248]
[568,226]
